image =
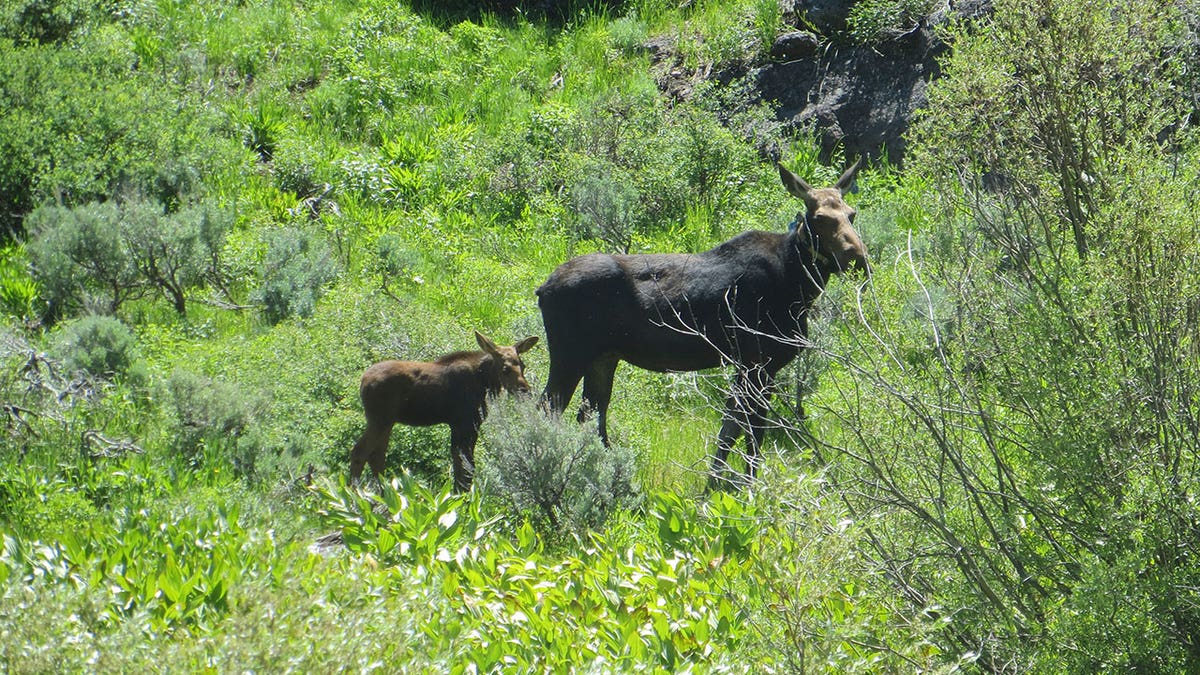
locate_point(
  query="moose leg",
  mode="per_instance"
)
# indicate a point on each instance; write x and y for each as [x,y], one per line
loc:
[745,414]
[462,455]
[597,393]
[370,448]
[561,383]
[758,393]
[734,423]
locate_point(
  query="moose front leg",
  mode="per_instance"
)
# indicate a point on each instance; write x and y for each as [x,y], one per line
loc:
[734,423]
[746,411]
[462,455]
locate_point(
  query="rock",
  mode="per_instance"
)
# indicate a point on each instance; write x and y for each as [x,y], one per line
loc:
[795,45]
[858,98]
[827,17]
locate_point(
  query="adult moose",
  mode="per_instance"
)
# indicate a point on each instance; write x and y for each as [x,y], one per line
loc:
[452,390]
[744,303]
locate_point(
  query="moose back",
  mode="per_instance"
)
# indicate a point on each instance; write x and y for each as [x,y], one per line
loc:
[744,303]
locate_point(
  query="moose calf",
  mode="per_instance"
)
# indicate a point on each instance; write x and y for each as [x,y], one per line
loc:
[452,390]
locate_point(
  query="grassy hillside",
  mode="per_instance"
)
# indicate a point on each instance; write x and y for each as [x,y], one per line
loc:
[218,214]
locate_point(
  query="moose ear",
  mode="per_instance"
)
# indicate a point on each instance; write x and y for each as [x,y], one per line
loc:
[486,344]
[797,186]
[526,344]
[843,184]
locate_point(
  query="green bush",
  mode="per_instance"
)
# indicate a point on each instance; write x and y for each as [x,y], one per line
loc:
[212,421]
[101,346]
[43,21]
[876,21]
[558,473]
[101,256]
[79,260]
[296,269]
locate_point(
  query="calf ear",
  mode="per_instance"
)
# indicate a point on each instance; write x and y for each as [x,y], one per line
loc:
[486,344]
[796,185]
[526,344]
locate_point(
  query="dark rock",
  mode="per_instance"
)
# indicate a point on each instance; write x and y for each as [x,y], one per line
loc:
[827,17]
[858,98]
[795,45]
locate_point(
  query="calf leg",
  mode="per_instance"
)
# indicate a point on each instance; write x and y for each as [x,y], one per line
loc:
[462,455]
[371,448]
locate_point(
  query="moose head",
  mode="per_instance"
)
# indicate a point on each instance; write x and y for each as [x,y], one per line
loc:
[826,225]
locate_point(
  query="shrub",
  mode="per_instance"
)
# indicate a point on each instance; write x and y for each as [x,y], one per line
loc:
[558,473]
[176,252]
[78,258]
[297,267]
[876,21]
[42,21]
[606,203]
[212,418]
[101,346]
[100,256]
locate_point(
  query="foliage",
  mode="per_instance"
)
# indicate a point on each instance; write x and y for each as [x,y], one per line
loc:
[995,473]
[1024,428]
[296,268]
[43,21]
[510,603]
[212,421]
[101,346]
[102,256]
[557,473]
[79,260]
[875,21]
[19,293]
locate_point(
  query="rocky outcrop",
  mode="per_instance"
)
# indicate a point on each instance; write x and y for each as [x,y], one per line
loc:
[859,98]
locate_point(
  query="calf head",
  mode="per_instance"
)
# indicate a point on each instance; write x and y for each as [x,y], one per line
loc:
[507,370]
[828,222]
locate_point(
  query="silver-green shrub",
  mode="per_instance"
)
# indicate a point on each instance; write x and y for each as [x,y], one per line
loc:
[554,471]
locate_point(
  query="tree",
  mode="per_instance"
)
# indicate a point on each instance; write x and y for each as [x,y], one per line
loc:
[100,256]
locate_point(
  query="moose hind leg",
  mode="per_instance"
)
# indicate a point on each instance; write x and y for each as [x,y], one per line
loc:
[597,393]
[561,383]
[371,448]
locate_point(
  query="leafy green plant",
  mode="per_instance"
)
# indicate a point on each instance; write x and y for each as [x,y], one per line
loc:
[262,126]
[875,21]
[180,572]
[297,266]
[557,473]
[509,602]
[101,346]
[19,293]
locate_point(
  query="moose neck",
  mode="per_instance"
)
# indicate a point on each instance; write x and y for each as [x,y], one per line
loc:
[806,262]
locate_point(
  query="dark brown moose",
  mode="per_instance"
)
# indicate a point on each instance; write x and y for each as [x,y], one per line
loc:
[744,303]
[452,390]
